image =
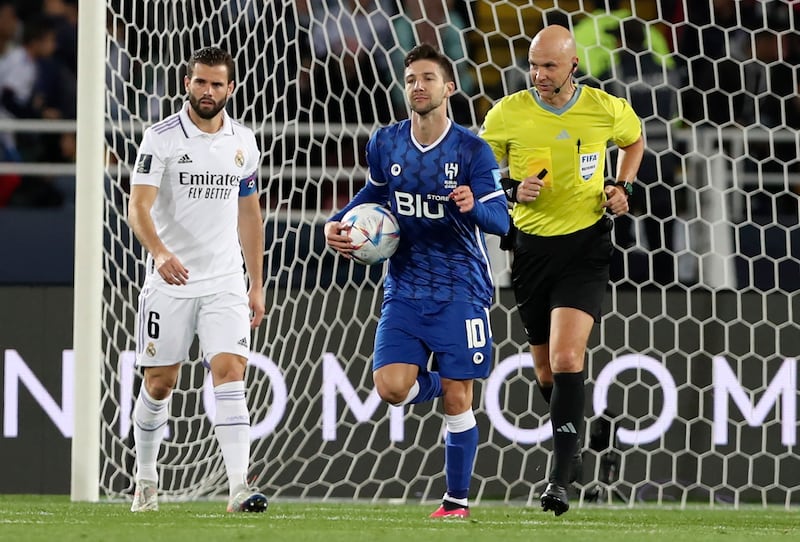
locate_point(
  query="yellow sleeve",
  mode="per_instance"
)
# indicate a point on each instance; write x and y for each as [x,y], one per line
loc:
[494,132]
[627,125]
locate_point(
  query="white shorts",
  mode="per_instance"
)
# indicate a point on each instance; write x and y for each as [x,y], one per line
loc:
[167,326]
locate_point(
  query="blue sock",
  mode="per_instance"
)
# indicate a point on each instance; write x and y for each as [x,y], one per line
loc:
[430,387]
[459,455]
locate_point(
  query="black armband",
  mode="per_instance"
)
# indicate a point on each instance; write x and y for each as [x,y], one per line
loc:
[509,186]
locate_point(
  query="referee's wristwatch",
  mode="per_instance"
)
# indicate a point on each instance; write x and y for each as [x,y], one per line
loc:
[627,186]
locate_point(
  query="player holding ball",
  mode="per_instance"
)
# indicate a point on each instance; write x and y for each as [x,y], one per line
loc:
[442,183]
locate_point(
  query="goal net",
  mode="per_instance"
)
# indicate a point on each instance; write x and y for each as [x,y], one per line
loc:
[691,377]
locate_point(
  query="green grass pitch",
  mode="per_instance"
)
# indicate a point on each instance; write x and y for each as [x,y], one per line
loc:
[56,519]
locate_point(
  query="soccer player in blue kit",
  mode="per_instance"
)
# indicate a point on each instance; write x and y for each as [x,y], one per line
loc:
[442,183]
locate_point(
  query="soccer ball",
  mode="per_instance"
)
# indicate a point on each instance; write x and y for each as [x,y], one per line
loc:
[374,232]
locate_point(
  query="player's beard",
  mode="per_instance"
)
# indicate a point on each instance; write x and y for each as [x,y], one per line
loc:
[203,111]
[427,108]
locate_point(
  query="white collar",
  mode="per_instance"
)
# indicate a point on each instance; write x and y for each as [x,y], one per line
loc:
[191,129]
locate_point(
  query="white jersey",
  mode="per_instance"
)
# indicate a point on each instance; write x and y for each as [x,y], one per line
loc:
[196,211]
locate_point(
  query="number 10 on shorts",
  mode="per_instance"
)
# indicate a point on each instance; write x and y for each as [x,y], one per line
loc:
[476,333]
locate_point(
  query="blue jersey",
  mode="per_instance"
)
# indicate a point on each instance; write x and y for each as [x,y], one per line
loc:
[442,252]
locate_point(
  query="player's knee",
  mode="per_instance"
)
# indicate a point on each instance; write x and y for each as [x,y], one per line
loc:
[456,403]
[391,393]
[160,381]
[227,368]
[393,383]
[158,388]
[457,398]
[566,361]
[228,374]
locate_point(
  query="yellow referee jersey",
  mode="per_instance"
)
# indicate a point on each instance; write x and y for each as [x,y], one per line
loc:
[567,146]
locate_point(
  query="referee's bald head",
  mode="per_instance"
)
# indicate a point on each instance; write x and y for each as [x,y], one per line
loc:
[554,40]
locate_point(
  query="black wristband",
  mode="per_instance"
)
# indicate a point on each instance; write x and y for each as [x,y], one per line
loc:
[510,187]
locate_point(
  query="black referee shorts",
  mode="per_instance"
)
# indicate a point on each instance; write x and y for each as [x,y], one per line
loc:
[560,271]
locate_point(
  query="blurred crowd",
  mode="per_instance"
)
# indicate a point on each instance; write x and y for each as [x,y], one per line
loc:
[38,79]
[734,61]
[724,63]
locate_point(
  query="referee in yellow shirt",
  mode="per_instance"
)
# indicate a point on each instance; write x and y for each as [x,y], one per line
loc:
[553,137]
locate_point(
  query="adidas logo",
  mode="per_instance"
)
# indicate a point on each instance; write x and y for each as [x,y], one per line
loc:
[184,159]
[567,428]
[563,135]
[243,342]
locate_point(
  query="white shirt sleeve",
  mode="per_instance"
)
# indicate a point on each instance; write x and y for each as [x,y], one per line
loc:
[150,161]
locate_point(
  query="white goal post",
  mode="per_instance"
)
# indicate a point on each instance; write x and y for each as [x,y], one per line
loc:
[85,466]
[691,376]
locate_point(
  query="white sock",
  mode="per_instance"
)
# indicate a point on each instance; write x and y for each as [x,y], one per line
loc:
[232,429]
[149,422]
[462,502]
[460,422]
[412,394]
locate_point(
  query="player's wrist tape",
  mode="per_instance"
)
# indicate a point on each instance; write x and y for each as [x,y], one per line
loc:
[510,187]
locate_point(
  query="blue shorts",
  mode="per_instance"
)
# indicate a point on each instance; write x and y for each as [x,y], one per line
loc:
[458,334]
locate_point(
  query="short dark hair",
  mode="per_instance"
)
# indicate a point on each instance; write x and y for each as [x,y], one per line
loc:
[37,28]
[426,51]
[211,56]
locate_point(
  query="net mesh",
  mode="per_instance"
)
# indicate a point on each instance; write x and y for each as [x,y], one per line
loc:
[700,313]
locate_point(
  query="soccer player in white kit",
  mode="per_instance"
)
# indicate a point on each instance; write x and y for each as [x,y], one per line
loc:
[194,206]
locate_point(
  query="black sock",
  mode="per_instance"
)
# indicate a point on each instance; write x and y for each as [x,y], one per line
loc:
[566,417]
[547,392]
[450,505]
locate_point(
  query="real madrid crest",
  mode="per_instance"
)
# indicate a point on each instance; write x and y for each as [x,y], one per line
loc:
[151,350]
[239,158]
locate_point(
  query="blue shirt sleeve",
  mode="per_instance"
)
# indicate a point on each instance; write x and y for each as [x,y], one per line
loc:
[492,215]
[490,212]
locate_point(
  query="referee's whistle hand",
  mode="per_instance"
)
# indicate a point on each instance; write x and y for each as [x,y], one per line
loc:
[529,189]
